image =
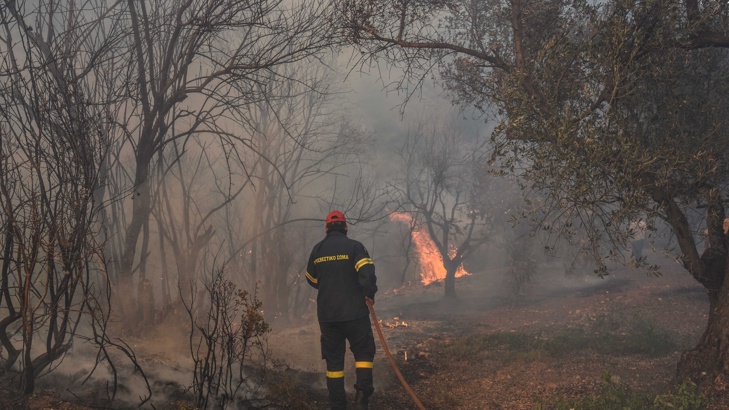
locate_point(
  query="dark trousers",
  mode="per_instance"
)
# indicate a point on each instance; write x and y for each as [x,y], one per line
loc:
[334,336]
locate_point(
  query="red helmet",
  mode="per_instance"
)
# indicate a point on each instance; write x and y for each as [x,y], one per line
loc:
[335,216]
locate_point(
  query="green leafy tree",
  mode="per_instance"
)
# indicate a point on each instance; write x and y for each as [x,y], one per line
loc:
[612,110]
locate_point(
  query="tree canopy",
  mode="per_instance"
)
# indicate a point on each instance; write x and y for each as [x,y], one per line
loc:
[613,111]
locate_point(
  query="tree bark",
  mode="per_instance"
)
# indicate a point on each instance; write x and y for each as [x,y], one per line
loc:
[450,280]
[141,210]
[707,364]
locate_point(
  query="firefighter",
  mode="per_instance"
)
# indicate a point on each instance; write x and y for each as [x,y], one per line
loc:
[344,274]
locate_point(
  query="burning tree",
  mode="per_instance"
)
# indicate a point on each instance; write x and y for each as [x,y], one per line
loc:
[617,110]
[429,259]
[440,192]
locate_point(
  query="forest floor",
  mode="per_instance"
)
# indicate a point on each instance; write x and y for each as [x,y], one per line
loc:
[562,339]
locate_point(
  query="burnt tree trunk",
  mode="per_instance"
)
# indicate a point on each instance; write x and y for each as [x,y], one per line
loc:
[141,211]
[449,283]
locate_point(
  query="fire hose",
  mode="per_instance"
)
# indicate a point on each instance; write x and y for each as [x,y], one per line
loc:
[389,357]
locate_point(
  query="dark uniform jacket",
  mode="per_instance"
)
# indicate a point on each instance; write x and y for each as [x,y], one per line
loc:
[341,269]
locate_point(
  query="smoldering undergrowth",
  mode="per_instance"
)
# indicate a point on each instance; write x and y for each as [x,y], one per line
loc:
[228,343]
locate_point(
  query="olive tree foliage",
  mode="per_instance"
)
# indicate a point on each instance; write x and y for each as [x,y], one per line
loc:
[442,189]
[190,69]
[53,144]
[613,110]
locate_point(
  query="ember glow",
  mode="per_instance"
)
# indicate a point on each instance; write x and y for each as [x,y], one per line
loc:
[429,259]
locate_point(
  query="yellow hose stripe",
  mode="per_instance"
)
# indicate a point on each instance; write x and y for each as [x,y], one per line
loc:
[335,375]
[364,365]
[311,278]
[362,262]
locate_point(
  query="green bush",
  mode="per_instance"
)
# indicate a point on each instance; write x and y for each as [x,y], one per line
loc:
[616,396]
[685,396]
[613,396]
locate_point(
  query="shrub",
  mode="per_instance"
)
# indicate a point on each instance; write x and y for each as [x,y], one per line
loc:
[685,396]
[618,396]
[227,345]
[612,396]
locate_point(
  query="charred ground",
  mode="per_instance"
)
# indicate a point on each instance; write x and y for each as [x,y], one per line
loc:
[563,338]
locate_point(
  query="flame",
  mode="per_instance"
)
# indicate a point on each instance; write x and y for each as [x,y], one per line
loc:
[429,259]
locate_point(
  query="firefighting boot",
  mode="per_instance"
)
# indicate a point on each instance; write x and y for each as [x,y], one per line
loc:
[361,400]
[363,387]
